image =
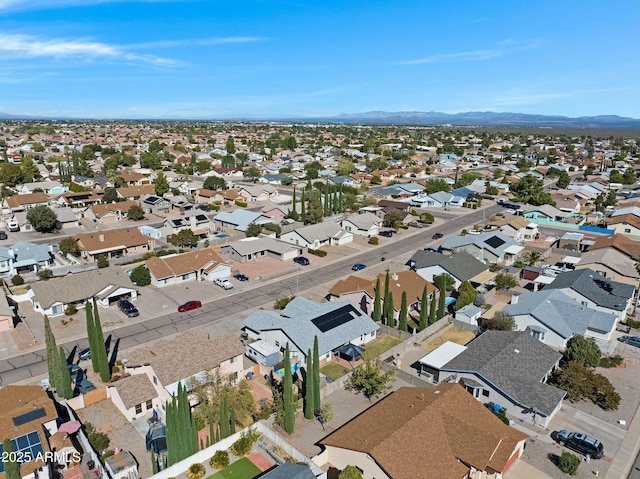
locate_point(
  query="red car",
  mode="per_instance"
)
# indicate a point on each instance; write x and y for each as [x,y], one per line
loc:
[189,305]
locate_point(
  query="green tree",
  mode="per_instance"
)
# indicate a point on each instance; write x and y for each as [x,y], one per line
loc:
[135,213]
[214,183]
[140,276]
[501,321]
[389,310]
[402,318]
[184,238]
[505,281]
[629,177]
[43,219]
[466,295]
[432,310]
[530,190]
[435,185]
[53,356]
[103,360]
[377,307]
[225,420]
[424,311]
[370,380]
[308,388]
[289,405]
[10,174]
[219,460]
[161,184]
[252,173]
[314,211]
[230,146]
[253,230]
[449,281]
[317,402]
[69,246]
[29,170]
[615,176]
[393,219]
[582,383]
[64,390]
[110,195]
[563,180]
[569,463]
[442,286]
[91,334]
[11,465]
[583,350]
[181,434]
[350,472]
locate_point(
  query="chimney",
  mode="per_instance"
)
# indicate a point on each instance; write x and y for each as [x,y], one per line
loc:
[101,238]
[514,299]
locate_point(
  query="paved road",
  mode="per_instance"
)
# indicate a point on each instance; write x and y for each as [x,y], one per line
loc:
[33,364]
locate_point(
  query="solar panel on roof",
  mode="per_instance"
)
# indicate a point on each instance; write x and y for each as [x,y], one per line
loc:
[29,416]
[333,319]
[27,447]
[495,242]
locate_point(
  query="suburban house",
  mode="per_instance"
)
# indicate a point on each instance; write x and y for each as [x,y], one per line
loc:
[121,465]
[228,174]
[259,247]
[240,219]
[450,435]
[80,199]
[48,187]
[611,263]
[155,204]
[196,221]
[516,227]
[133,178]
[506,368]
[272,178]
[207,197]
[335,324]
[550,216]
[255,193]
[320,234]
[275,212]
[553,317]
[493,247]
[155,371]
[135,192]
[106,285]
[16,203]
[362,292]
[24,257]
[361,224]
[200,265]
[108,213]
[441,199]
[593,290]
[461,266]
[628,224]
[28,418]
[113,243]
[389,205]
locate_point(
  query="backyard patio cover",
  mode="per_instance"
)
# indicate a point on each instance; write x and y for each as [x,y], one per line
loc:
[350,350]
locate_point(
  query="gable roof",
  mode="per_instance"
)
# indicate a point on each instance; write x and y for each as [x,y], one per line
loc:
[363,221]
[175,265]
[134,390]
[495,242]
[253,245]
[466,432]
[602,291]
[620,242]
[241,219]
[516,363]
[122,206]
[16,201]
[138,190]
[109,239]
[627,219]
[320,231]
[460,265]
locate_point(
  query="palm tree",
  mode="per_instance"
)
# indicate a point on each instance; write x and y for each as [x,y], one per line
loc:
[533,257]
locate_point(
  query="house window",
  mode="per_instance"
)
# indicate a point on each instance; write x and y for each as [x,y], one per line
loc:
[233,360]
[155,380]
[277,343]
[627,230]
[539,335]
[185,277]
[138,408]
[485,393]
[149,404]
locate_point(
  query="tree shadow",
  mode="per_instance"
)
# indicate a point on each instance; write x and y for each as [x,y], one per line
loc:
[554,458]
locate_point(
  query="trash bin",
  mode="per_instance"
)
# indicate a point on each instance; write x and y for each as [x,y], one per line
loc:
[91,464]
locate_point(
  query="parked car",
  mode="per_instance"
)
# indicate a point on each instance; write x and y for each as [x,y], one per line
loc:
[3,235]
[386,233]
[586,445]
[632,340]
[84,354]
[128,308]
[85,386]
[416,224]
[223,283]
[437,236]
[302,260]
[75,372]
[189,305]
[431,250]
[358,266]
[241,277]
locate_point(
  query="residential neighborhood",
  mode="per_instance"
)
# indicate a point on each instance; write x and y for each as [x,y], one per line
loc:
[349,297]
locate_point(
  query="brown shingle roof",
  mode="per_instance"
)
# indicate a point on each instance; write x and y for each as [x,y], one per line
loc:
[28,199]
[132,191]
[105,240]
[622,243]
[446,428]
[186,354]
[168,266]
[629,219]
[101,210]
[135,390]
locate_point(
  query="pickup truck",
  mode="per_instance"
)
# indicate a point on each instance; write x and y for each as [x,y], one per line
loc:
[223,283]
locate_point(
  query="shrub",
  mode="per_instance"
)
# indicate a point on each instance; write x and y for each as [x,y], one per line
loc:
[611,361]
[141,276]
[240,203]
[243,445]
[17,280]
[374,240]
[427,218]
[569,463]
[45,274]
[318,252]
[70,310]
[214,206]
[103,262]
[581,383]
[281,303]
[196,471]
[219,460]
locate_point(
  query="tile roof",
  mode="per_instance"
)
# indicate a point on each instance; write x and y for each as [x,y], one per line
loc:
[446,427]
[516,363]
[460,265]
[123,206]
[620,242]
[140,190]
[28,199]
[591,285]
[612,259]
[109,239]
[134,390]
[186,354]
[179,264]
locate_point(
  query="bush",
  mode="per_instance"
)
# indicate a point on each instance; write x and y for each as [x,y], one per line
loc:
[281,303]
[374,240]
[103,262]
[240,203]
[243,445]
[141,276]
[196,471]
[17,280]
[219,460]
[318,252]
[611,361]
[569,463]
[45,274]
[214,206]
[70,310]
[427,218]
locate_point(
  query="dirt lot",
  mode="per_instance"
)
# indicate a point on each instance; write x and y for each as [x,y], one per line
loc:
[454,334]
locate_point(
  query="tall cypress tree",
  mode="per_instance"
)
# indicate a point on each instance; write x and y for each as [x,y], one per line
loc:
[316,376]
[377,307]
[387,284]
[334,207]
[402,318]
[103,360]
[225,430]
[11,465]
[64,390]
[289,408]
[432,309]
[302,205]
[308,388]
[441,297]
[232,420]
[91,333]
[52,354]
[293,204]
[424,311]
[389,310]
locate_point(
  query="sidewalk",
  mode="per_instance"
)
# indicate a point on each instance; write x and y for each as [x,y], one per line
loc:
[626,454]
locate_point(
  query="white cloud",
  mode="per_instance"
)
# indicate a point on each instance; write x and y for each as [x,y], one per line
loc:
[197,42]
[474,55]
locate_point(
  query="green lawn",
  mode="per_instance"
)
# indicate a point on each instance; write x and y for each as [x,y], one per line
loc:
[334,370]
[241,469]
[379,346]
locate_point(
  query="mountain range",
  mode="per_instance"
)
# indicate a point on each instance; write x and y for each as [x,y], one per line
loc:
[473,118]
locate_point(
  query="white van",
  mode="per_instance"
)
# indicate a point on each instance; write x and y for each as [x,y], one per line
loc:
[11,224]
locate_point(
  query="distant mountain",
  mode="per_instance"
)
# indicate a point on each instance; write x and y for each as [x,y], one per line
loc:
[482,118]
[10,116]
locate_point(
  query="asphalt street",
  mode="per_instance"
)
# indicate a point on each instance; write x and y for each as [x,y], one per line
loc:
[33,364]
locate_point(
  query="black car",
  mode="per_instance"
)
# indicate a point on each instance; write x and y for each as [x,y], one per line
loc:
[437,236]
[302,260]
[241,277]
[585,445]
[386,234]
[127,308]
[3,235]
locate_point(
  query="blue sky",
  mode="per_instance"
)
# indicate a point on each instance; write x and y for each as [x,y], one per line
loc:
[266,59]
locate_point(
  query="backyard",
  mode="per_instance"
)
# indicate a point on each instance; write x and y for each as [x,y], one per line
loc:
[379,346]
[241,469]
[334,370]
[453,334]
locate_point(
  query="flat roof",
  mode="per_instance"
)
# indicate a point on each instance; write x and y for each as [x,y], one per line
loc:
[442,355]
[571,259]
